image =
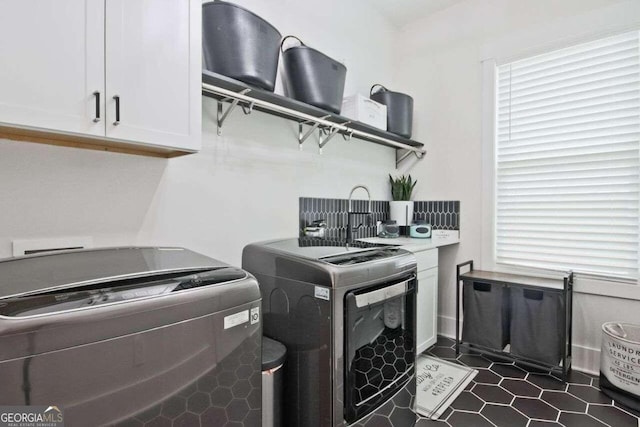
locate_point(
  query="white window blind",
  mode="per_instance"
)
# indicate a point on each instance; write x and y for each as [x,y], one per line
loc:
[568,159]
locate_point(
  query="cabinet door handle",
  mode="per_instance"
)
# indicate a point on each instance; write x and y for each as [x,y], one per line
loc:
[117,99]
[97,95]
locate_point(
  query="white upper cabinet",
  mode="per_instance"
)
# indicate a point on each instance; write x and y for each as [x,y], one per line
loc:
[153,71]
[59,56]
[51,63]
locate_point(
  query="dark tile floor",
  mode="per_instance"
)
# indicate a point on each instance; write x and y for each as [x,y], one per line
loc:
[506,395]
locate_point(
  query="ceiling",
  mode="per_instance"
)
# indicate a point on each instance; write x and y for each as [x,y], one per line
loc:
[403,12]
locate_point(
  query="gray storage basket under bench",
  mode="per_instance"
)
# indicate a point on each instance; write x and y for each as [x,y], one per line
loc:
[532,315]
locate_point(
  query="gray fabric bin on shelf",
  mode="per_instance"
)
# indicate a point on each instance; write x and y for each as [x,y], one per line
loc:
[486,314]
[537,324]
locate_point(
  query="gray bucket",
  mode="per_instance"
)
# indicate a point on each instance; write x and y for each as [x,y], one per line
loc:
[399,109]
[620,363]
[312,77]
[239,44]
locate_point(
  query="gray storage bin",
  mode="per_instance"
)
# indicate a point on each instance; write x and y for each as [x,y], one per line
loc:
[312,77]
[486,314]
[399,109]
[537,324]
[239,44]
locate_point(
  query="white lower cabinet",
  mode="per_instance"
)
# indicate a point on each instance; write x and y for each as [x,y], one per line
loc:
[427,309]
[427,299]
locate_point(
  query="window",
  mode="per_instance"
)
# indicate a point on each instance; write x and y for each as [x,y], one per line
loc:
[568,159]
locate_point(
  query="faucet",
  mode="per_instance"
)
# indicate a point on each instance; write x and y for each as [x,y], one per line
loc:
[350,213]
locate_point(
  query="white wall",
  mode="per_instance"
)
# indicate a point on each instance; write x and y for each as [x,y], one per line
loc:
[439,63]
[243,186]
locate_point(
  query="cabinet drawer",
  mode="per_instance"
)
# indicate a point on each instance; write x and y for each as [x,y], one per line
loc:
[427,259]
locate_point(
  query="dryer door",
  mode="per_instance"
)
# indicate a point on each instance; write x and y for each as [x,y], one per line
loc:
[379,343]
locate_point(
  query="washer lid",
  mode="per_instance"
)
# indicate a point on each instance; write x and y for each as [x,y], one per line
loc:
[315,248]
[70,269]
[360,257]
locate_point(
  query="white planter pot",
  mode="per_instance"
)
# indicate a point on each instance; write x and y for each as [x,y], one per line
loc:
[401,212]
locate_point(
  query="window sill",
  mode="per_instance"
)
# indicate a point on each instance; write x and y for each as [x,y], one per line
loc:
[607,288]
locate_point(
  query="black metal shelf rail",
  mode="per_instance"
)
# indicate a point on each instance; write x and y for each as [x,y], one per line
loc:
[233,93]
[567,291]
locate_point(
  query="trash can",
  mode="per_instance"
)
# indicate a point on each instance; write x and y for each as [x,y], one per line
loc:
[486,314]
[274,355]
[537,324]
[620,363]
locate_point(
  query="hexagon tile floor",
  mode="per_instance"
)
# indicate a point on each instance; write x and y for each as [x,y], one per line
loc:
[504,395]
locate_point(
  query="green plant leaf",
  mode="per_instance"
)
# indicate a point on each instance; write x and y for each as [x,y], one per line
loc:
[402,187]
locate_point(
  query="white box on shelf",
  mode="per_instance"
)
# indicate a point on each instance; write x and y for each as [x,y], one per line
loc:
[361,108]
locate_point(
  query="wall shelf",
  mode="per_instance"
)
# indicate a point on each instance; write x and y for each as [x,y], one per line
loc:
[231,93]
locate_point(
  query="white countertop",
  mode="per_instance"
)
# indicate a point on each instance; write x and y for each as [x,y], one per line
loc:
[439,238]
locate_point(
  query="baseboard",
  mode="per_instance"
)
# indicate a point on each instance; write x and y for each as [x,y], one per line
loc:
[585,359]
[447,326]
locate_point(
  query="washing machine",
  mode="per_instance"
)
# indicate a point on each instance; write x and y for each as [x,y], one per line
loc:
[131,336]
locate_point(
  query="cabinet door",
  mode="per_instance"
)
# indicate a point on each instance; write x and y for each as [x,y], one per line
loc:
[153,71]
[52,55]
[427,309]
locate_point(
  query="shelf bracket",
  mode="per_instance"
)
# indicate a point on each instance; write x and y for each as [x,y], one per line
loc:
[222,115]
[325,136]
[402,154]
[303,137]
[249,109]
[347,136]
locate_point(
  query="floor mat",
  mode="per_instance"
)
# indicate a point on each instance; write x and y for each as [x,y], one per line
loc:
[439,383]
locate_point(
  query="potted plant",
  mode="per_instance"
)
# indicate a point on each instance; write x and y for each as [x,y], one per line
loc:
[401,208]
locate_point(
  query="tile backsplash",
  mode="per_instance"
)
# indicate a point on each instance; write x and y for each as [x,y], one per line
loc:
[334,211]
[442,215]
